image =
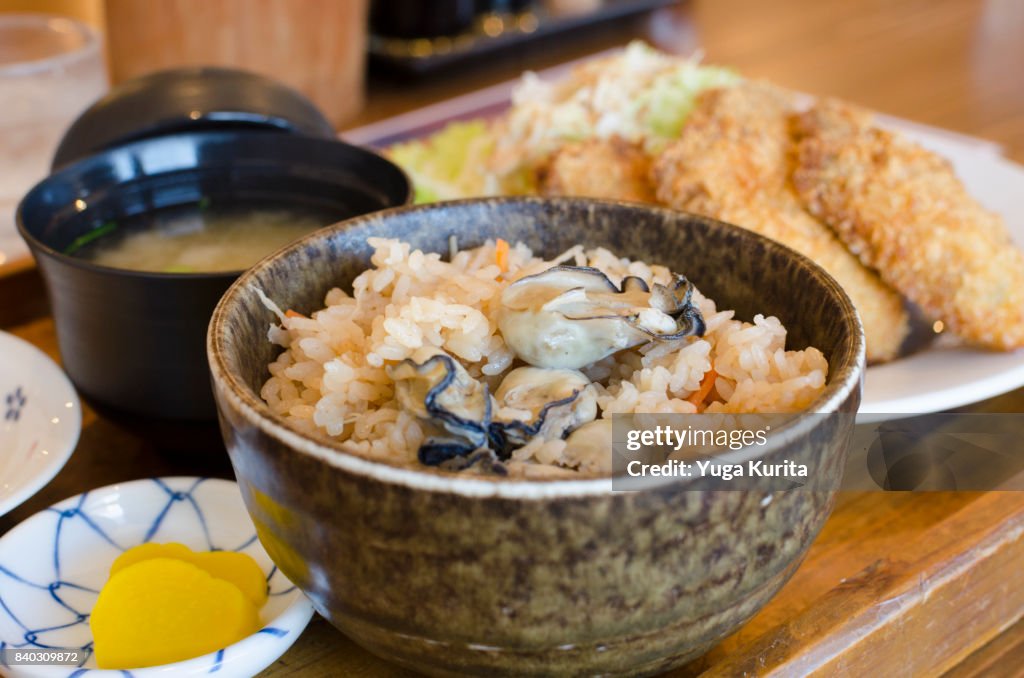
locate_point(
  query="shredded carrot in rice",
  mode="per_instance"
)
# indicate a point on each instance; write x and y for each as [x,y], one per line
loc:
[706,384]
[501,255]
[294,314]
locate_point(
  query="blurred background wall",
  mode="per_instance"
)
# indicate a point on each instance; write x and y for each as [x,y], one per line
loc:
[316,46]
[90,11]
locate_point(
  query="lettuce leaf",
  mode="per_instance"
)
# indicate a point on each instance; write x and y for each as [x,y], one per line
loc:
[443,166]
[453,163]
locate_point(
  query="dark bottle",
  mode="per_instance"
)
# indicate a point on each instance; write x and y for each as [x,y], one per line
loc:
[507,6]
[421,18]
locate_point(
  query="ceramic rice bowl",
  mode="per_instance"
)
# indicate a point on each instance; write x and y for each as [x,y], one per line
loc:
[450,574]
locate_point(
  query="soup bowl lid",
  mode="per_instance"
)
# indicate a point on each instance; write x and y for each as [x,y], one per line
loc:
[191,99]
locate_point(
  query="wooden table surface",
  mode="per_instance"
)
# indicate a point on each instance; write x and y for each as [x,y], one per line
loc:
[897,583]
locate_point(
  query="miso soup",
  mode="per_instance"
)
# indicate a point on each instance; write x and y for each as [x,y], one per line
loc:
[204,237]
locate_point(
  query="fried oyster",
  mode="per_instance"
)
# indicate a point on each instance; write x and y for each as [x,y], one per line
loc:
[903,211]
[733,161]
[598,168]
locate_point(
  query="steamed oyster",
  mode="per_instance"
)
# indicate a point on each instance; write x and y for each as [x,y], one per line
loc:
[571,316]
[542,402]
[456,409]
[587,449]
[436,388]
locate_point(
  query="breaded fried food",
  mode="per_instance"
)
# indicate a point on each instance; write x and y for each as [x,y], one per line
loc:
[903,211]
[733,162]
[598,168]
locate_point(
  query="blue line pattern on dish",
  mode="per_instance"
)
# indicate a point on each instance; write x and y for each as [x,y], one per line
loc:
[218,660]
[76,516]
[15,402]
[282,592]
[273,631]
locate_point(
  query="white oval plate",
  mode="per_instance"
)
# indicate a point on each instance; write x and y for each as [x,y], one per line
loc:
[40,420]
[53,565]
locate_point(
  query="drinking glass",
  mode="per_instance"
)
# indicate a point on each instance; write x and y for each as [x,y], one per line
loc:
[51,69]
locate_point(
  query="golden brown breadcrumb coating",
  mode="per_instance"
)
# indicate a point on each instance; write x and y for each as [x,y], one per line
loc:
[598,168]
[903,211]
[733,161]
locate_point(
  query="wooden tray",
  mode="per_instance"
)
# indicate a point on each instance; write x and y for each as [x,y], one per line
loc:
[897,584]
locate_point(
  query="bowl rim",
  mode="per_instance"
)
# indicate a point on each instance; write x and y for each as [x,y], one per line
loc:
[255,411]
[246,138]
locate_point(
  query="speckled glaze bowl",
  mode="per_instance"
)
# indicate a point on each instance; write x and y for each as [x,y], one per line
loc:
[448,574]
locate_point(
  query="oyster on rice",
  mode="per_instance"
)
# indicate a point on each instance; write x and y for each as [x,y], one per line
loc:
[568,317]
[586,448]
[396,371]
[534,401]
[436,389]
[457,409]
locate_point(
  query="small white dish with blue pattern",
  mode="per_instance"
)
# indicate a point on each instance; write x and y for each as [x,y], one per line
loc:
[53,565]
[40,419]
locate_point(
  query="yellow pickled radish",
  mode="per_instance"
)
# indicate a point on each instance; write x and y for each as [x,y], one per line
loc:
[237,568]
[148,551]
[163,610]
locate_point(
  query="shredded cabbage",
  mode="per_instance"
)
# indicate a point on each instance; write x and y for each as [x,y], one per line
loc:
[672,96]
[639,94]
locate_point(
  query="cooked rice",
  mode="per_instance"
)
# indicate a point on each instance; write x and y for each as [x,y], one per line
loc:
[331,377]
